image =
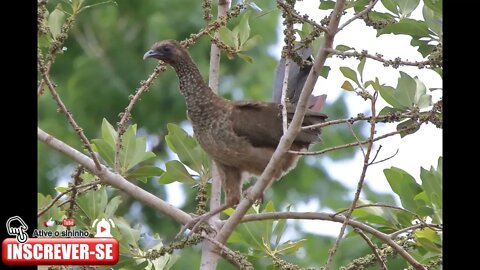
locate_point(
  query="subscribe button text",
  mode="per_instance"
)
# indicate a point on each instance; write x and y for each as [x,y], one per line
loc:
[61,251]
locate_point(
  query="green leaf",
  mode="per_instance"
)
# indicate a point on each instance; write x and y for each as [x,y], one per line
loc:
[406,124]
[55,22]
[185,146]
[245,57]
[175,171]
[429,239]
[435,5]
[391,5]
[404,185]
[105,151]
[423,47]
[128,237]
[421,99]
[406,88]
[343,48]
[127,153]
[407,6]
[251,43]
[112,206]
[347,86]
[360,67]
[109,135]
[409,27]
[326,4]
[324,71]
[433,20]
[140,153]
[388,94]
[290,247]
[432,184]
[349,73]
[61,189]
[227,36]
[244,28]
[93,203]
[144,172]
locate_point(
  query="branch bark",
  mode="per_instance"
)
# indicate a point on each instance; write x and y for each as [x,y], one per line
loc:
[114,179]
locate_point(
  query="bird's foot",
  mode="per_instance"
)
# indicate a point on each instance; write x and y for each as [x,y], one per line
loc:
[195,223]
[258,200]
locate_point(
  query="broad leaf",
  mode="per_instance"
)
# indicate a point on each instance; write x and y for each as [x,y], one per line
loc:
[404,185]
[175,171]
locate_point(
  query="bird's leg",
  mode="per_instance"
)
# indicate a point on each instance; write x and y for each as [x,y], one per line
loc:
[232,186]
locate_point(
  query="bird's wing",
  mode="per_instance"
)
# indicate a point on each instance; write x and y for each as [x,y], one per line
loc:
[261,123]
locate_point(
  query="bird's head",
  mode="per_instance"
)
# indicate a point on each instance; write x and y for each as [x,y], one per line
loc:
[169,51]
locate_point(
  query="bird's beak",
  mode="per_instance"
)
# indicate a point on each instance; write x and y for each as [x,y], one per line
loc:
[150,54]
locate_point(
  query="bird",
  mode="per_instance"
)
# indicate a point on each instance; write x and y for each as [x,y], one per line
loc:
[240,136]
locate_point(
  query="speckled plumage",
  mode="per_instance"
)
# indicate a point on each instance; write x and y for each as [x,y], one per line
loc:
[240,136]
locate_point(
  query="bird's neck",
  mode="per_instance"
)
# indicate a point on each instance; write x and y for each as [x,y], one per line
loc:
[200,99]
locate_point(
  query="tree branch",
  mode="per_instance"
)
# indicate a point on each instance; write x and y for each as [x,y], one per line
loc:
[114,179]
[320,152]
[287,138]
[61,194]
[358,15]
[374,249]
[335,218]
[397,62]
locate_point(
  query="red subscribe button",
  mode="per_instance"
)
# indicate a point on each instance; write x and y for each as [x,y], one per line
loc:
[61,251]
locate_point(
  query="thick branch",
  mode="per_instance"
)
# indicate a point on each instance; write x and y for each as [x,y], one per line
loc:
[113,179]
[287,138]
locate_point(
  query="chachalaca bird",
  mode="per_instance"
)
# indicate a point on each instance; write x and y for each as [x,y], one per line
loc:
[240,136]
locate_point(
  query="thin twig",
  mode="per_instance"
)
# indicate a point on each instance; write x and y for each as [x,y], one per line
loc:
[415,227]
[61,194]
[383,266]
[358,15]
[376,155]
[78,193]
[378,57]
[70,119]
[320,152]
[385,159]
[288,8]
[356,138]
[373,99]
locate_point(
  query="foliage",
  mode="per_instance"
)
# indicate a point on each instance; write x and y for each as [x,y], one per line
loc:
[95,49]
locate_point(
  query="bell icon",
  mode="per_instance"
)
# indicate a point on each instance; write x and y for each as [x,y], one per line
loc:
[103,229]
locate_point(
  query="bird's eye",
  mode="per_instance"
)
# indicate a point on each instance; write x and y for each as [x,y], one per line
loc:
[166,48]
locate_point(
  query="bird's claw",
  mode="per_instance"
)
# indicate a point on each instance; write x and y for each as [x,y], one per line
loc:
[258,200]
